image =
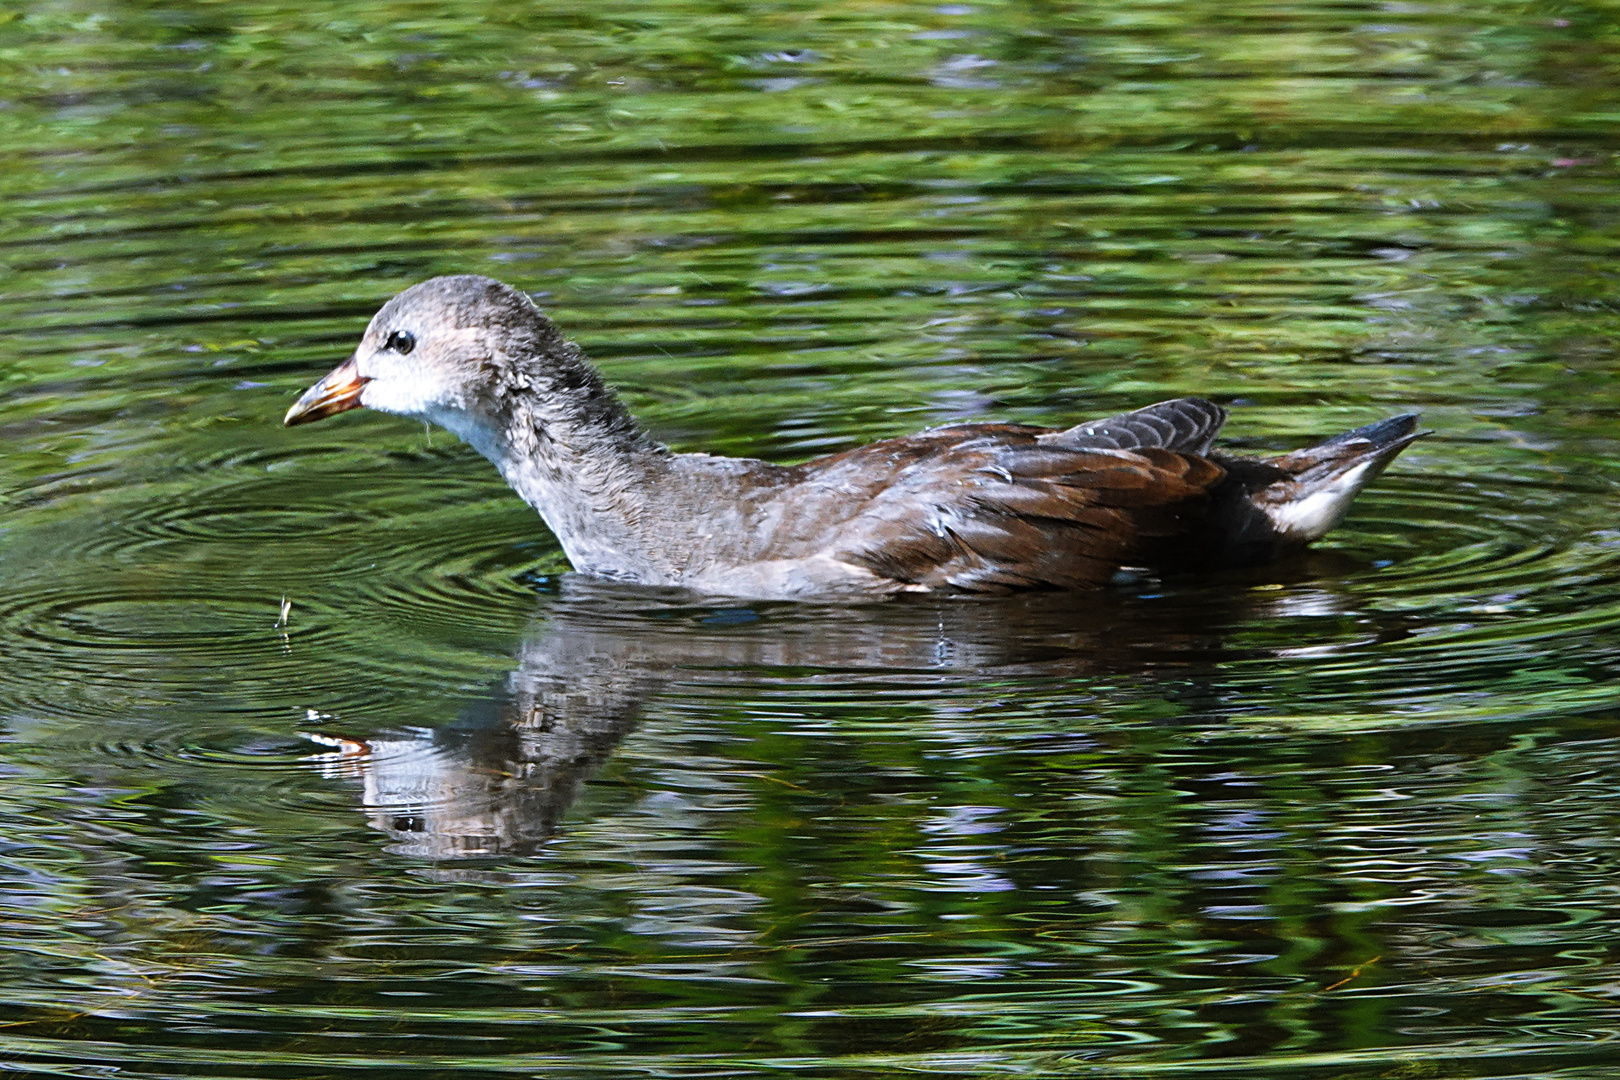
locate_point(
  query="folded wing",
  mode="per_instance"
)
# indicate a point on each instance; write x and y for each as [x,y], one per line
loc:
[995,507]
[1011,508]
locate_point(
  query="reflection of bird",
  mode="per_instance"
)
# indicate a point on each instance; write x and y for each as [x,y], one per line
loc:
[499,779]
[977,507]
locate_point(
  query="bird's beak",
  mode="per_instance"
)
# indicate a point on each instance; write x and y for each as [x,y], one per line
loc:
[339,391]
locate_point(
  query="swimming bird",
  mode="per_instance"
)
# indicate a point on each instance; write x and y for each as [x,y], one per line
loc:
[985,507]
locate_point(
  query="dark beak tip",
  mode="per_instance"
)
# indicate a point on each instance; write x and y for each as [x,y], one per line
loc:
[306,409]
[338,392]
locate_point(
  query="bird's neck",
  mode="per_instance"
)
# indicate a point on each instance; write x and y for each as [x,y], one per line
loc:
[567,446]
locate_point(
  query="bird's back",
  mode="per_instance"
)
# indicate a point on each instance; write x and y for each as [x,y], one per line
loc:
[997,507]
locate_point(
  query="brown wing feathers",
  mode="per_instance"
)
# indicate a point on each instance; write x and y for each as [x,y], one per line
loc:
[1009,509]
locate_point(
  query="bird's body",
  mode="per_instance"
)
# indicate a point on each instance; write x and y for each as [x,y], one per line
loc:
[971,507]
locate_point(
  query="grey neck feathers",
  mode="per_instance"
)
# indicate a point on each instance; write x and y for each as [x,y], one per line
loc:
[566,445]
[552,389]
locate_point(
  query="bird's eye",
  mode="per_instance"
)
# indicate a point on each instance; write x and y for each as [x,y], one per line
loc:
[399,341]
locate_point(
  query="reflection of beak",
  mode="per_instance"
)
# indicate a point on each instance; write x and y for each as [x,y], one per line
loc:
[339,391]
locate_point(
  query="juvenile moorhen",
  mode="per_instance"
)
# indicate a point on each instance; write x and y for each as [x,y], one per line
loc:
[970,507]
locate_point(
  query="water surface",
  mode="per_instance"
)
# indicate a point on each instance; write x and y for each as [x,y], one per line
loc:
[1351,817]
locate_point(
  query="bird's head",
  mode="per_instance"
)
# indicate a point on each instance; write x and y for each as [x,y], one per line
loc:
[437,351]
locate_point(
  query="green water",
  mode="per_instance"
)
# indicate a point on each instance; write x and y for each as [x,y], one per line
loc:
[1350,818]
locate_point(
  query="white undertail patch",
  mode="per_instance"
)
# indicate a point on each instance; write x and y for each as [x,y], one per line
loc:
[1312,516]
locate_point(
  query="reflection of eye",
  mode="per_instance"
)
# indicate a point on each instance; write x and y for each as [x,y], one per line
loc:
[399,341]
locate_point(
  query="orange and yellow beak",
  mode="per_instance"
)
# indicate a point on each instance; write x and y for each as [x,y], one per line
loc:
[338,392]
